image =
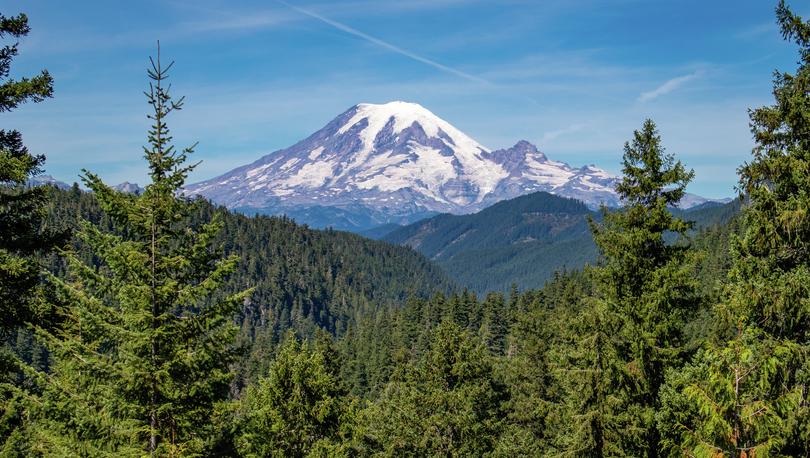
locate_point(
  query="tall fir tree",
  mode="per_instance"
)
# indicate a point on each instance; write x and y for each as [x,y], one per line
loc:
[525,369]
[23,235]
[147,339]
[750,394]
[645,293]
[594,415]
[494,322]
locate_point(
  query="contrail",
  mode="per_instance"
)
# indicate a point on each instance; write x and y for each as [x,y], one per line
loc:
[385,44]
[668,86]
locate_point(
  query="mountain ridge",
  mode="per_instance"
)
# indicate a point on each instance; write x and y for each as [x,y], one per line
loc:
[395,163]
[523,240]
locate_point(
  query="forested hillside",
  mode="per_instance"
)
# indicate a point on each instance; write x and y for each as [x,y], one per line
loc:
[523,241]
[302,279]
[152,324]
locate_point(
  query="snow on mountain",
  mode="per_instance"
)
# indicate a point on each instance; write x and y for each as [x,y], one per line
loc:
[690,200]
[398,159]
[396,163]
[530,171]
[127,187]
[41,180]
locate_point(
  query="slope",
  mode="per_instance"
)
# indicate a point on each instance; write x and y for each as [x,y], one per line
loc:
[305,279]
[521,241]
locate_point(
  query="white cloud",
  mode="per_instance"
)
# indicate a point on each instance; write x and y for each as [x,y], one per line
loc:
[758,31]
[668,86]
[386,45]
[554,134]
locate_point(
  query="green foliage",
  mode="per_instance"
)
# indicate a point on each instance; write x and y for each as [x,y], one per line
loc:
[767,298]
[525,240]
[596,415]
[144,354]
[16,92]
[529,368]
[22,235]
[23,238]
[610,362]
[446,403]
[521,241]
[374,347]
[495,321]
[645,280]
[303,279]
[300,408]
[775,250]
[157,341]
[729,402]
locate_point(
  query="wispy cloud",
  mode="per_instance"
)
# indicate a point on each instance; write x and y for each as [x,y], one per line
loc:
[384,44]
[554,134]
[258,20]
[210,19]
[366,7]
[758,31]
[668,86]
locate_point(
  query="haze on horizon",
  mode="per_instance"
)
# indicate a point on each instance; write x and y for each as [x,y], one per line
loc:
[572,77]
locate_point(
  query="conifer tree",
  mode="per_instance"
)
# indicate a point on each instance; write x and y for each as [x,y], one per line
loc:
[23,235]
[143,358]
[526,370]
[644,278]
[731,400]
[300,408]
[634,328]
[767,301]
[595,415]
[773,256]
[447,403]
[494,325]
[21,207]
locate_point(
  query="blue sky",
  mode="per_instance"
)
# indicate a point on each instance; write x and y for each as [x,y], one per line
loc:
[572,76]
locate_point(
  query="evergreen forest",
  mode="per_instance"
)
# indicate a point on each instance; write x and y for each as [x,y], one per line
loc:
[154,324]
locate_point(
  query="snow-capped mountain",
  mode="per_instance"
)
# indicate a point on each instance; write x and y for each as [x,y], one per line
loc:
[690,200]
[127,187]
[529,170]
[396,163]
[42,180]
[397,159]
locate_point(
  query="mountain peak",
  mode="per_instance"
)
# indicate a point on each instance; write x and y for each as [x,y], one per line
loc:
[527,148]
[525,145]
[394,105]
[518,154]
[127,187]
[40,180]
[394,162]
[404,115]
